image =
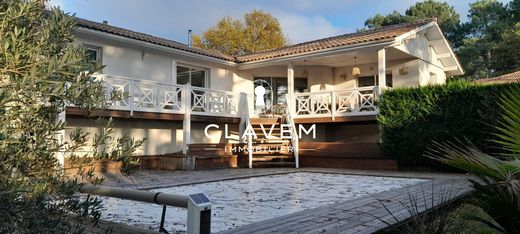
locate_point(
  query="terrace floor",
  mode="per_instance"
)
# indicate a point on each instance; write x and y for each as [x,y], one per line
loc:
[362,215]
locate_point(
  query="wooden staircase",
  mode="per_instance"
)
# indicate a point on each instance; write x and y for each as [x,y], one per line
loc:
[270,151]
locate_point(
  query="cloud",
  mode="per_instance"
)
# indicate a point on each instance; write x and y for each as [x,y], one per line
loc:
[306,28]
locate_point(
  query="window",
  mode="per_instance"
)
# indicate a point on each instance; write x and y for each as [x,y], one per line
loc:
[93,57]
[364,81]
[192,76]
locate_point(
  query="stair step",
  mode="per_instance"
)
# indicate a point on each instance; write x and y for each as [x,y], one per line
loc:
[270,158]
[272,152]
[273,163]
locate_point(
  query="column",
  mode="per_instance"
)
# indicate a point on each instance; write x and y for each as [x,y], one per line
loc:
[290,85]
[381,69]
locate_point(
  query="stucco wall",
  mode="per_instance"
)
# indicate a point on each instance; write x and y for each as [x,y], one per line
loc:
[161,137]
[144,64]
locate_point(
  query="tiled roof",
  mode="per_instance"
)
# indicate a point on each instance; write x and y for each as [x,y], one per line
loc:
[503,79]
[149,38]
[381,34]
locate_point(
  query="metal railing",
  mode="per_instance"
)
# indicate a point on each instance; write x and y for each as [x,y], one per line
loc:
[346,102]
[198,205]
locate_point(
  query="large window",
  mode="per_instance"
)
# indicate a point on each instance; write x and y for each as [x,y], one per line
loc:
[364,81]
[93,55]
[192,76]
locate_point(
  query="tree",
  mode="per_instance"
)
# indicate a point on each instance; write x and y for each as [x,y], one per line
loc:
[491,41]
[447,18]
[259,31]
[41,71]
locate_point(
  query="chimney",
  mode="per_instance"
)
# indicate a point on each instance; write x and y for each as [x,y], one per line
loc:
[189,38]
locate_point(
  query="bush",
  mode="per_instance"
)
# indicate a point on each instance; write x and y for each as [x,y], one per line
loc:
[411,119]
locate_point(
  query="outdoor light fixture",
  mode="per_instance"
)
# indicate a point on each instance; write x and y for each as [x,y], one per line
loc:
[355,69]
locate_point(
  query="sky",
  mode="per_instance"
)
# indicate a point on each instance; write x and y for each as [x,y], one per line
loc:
[301,20]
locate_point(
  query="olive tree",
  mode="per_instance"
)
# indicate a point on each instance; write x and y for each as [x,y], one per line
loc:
[42,71]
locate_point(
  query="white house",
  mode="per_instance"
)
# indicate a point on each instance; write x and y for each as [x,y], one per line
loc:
[176,91]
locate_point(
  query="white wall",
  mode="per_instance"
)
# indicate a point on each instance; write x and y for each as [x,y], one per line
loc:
[144,64]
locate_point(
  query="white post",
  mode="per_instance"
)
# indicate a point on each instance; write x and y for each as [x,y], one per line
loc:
[174,72]
[333,104]
[250,150]
[243,109]
[60,137]
[381,69]
[290,84]
[186,123]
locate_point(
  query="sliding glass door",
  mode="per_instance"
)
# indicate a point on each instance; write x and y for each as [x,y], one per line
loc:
[274,94]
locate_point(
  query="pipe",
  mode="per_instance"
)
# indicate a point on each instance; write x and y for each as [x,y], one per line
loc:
[137,195]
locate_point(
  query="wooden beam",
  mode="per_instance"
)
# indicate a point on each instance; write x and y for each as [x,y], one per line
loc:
[452,68]
[139,115]
[433,42]
[443,55]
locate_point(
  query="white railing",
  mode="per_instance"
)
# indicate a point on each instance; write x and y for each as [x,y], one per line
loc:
[149,96]
[347,102]
[146,96]
[294,134]
[214,102]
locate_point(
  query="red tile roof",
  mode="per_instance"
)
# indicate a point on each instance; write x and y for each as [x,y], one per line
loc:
[149,38]
[381,34]
[503,79]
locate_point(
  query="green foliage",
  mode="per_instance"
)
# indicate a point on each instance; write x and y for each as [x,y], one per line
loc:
[497,188]
[412,118]
[41,71]
[259,31]
[447,18]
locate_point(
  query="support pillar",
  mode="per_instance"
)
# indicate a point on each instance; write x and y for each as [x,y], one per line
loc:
[186,123]
[290,84]
[381,69]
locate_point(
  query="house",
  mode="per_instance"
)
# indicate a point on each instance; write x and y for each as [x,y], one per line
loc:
[513,77]
[194,106]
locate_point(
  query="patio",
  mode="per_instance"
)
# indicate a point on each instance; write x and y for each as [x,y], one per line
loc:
[361,215]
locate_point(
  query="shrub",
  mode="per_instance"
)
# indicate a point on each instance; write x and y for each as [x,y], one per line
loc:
[411,119]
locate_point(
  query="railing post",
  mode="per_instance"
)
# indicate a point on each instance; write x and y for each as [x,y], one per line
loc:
[186,123]
[243,110]
[157,98]
[131,96]
[333,104]
[250,150]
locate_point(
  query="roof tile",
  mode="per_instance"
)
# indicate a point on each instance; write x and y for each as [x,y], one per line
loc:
[384,33]
[503,79]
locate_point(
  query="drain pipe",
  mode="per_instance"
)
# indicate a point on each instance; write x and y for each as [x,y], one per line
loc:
[198,205]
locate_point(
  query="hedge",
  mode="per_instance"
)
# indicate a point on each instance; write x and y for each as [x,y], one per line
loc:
[410,119]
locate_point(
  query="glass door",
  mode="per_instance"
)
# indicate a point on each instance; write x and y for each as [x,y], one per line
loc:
[271,94]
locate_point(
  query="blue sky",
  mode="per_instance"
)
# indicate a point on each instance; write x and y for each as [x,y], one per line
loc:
[301,20]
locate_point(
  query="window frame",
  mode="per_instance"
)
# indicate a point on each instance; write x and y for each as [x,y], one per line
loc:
[99,53]
[190,67]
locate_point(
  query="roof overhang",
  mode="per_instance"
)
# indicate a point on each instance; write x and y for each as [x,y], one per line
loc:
[314,54]
[438,42]
[98,34]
